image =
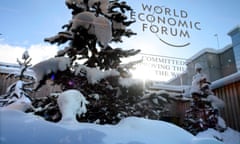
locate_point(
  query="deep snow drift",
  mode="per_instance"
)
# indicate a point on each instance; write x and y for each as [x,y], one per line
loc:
[19,127]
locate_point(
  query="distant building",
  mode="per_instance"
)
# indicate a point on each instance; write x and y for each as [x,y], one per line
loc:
[216,63]
[223,69]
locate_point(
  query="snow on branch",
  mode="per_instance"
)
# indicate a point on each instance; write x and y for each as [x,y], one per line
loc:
[49,66]
[94,75]
[98,26]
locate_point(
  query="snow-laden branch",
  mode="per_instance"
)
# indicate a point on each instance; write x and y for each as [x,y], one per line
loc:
[49,66]
[94,75]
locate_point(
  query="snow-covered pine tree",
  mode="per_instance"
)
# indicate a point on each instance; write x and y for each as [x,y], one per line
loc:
[205,106]
[17,94]
[91,65]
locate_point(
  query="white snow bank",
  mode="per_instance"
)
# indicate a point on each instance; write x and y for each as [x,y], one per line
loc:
[16,126]
[229,136]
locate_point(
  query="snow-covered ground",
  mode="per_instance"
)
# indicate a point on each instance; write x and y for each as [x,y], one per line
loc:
[19,127]
[229,136]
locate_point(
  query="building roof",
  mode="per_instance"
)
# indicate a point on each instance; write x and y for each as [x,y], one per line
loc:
[7,68]
[214,85]
[167,87]
[208,50]
[234,30]
[226,80]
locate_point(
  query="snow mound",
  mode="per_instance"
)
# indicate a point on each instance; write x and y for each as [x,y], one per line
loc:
[18,127]
[21,104]
[230,136]
[71,103]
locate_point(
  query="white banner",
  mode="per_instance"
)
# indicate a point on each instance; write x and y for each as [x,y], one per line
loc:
[160,68]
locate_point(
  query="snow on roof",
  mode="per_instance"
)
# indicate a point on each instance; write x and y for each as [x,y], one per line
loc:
[208,50]
[237,28]
[173,88]
[7,68]
[8,64]
[226,80]
[216,84]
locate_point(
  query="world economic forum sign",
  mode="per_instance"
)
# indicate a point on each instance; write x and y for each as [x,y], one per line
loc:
[175,28]
[163,21]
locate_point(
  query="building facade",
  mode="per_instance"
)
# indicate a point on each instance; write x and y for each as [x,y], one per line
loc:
[235,35]
[216,63]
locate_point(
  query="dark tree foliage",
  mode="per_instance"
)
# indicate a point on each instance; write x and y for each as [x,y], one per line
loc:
[200,116]
[85,36]
[204,111]
[88,35]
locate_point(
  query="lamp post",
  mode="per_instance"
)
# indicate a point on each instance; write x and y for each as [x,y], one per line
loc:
[216,35]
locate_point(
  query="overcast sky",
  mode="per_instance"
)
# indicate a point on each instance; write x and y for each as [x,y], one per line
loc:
[25,23]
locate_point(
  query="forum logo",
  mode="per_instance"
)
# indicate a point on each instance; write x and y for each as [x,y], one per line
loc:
[163,21]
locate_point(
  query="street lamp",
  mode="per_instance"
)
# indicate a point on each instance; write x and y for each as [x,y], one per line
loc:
[216,35]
